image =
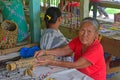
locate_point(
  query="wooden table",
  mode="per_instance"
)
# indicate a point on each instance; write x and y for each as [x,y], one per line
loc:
[111,46]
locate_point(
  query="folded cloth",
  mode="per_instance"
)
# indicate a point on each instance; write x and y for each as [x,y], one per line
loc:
[28,52]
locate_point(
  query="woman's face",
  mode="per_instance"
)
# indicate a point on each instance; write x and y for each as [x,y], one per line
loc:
[59,21]
[87,33]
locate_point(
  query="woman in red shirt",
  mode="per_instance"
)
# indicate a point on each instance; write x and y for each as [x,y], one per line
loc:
[88,52]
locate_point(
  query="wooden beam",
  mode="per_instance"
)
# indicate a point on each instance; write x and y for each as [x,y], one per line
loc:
[84,9]
[35,27]
[16,49]
[112,46]
[114,69]
[110,4]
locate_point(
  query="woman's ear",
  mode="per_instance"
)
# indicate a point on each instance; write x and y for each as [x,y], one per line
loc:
[60,19]
[97,35]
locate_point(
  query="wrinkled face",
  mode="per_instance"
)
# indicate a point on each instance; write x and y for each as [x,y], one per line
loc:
[87,33]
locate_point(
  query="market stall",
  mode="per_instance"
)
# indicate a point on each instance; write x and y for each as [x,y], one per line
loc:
[111,43]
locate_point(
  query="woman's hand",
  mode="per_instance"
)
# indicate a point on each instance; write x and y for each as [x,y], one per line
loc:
[42,61]
[39,53]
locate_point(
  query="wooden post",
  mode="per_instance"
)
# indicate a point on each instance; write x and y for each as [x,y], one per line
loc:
[35,27]
[84,9]
[44,5]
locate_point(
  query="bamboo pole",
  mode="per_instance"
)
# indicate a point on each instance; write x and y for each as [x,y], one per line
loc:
[26,62]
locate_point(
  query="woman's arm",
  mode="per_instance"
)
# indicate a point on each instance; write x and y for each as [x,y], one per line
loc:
[62,51]
[81,63]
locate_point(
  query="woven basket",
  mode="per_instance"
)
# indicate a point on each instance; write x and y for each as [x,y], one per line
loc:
[8,34]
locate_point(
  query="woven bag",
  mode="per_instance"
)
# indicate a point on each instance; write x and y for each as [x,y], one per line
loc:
[8,34]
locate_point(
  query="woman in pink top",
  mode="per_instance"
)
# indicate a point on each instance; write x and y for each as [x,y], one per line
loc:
[88,52]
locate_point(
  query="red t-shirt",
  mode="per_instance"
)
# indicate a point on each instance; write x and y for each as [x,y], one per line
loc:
[93,54]
[72,4]
[75,4]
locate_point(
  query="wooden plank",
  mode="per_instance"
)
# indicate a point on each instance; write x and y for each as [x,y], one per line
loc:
[114,69]
[110,4]
[16,49]
[9,57]
[112,46]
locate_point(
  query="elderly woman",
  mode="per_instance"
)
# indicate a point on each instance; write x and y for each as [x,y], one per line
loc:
[88,52]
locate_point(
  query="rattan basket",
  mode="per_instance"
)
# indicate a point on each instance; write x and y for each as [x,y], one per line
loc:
[8,34]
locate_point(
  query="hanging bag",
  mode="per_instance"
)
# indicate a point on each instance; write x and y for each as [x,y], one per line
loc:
[13,10]
[8,34]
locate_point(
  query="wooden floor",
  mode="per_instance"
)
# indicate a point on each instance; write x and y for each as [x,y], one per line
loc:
[111,17]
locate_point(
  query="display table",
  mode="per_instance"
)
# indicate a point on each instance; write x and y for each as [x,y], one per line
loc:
[111,38]
[111,43]
[44,73]
[59,73]
[111,46]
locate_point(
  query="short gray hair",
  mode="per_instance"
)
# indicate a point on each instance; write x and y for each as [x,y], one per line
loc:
[93,21]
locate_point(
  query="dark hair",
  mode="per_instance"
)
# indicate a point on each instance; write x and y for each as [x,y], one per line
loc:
[51,15]
[94,22]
